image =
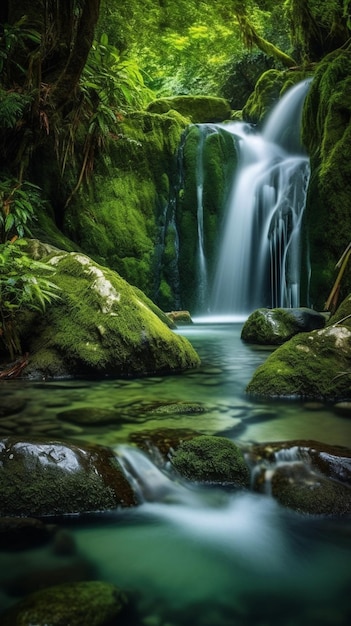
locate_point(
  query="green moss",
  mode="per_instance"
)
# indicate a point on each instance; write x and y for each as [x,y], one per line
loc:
[70,603]
[101,326]
[198,109]
[310,365]
[326,134]
[269,88]
[208,459]
[117,219]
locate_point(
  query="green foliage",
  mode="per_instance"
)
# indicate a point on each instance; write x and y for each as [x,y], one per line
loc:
[15,36]
[22,287]
[18,202]
[12,107]
[117,81]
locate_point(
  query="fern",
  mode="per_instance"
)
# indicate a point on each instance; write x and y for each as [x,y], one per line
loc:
[12,107]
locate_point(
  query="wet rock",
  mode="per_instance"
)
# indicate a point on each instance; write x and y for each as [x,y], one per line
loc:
[211,460]
[275,326]
[77,604]
[307,476]
[311,366]
[331,460]
[11,405]
[23,533]
[42,577]
[343,408]
[44,477]
[180,318]
[89,416]
[298,487]
[176,408]
[160,442]
[100,326]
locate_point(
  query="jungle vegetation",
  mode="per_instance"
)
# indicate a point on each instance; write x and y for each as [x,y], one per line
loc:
[71,69]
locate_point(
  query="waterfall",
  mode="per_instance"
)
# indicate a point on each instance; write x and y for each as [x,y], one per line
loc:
[260,257]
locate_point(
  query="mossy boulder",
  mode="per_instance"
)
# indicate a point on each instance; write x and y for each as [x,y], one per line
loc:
[326,133]
[211,460]
[299,488]
[100,326]
[313,365]
[197,109]
[41,477]
[94,602]
[275,326]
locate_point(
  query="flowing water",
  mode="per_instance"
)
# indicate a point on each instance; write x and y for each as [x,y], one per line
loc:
[193,556]
[260,257]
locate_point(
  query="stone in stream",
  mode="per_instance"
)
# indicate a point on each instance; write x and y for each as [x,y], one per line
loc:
[40,477]
[211,460]
[78,604]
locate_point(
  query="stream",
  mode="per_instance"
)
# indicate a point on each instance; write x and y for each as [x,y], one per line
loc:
[189,555]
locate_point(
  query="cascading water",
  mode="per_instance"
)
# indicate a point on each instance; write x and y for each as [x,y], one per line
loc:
[260,257]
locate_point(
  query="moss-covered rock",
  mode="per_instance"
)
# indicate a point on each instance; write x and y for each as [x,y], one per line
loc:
[100,326]
[275,326]
[211,460]
[270,87]
[326,132]
[45,477]
[94,602]
[307,476]
[310,365]
[299,488]
[198,109]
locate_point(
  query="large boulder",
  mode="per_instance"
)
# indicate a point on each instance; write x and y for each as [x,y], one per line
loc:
[311,365]
[100,326]
[44,477]
[275,326]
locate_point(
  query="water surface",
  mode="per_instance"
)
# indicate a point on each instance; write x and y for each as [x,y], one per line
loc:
[193,556]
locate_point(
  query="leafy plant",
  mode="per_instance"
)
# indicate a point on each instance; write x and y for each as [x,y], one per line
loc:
[22,287]
[18,202]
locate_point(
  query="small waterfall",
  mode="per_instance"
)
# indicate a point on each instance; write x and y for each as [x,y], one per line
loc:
[260,257]
[202,268]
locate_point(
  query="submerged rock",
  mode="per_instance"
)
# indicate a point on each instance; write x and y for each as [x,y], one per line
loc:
[43,477]
[92,602]
[309,477]
[100,326]
[299,488]
[275,326]
[211,460]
